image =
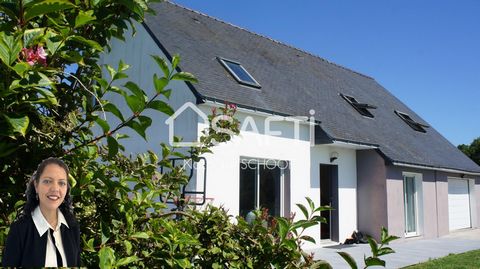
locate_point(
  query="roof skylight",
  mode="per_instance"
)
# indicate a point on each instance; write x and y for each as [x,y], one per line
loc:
[240,74]
[413,124]
[362,108]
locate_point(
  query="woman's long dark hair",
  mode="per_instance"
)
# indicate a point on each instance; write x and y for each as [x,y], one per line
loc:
[31,194]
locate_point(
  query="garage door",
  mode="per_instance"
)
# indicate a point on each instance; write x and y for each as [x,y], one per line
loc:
[458,204]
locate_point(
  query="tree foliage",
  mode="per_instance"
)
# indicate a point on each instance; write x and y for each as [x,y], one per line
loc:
[472,150]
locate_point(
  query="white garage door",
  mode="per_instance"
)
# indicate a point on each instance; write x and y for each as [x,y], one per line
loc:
[458,204]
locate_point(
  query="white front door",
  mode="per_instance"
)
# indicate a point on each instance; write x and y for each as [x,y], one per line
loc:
[458,204]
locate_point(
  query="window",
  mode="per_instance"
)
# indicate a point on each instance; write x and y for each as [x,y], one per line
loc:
[413,204]
[264,184]
[362,108]
[240,74]
[413,124]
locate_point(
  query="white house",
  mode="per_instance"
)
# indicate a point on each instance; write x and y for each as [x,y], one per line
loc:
[367,154]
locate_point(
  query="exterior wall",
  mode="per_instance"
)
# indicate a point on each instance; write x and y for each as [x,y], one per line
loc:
[428,202]
[136,53]
[442,203]
[223,169]
[434,204]
[372,194]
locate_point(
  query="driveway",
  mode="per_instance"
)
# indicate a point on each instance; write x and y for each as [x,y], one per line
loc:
[408,252]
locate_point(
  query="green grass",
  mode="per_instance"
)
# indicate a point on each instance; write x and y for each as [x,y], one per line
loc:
[465,260]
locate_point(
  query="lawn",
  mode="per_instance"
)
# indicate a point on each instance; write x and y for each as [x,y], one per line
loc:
[465,260]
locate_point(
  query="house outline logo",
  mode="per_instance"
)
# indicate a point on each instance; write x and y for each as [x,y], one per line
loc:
[170,121]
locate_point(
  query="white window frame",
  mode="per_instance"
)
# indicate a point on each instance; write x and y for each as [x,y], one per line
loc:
[238,79]
[258,161]
[418,178]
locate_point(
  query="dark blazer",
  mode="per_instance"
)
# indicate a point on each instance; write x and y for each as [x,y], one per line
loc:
[25,247]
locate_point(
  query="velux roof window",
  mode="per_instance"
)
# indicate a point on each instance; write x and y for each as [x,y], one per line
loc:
[362,108]
[408,120]
[240,74]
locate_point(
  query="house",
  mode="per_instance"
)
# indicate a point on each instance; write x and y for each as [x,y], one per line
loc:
[357,147]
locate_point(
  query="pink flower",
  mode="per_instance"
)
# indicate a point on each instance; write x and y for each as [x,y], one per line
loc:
[36,55]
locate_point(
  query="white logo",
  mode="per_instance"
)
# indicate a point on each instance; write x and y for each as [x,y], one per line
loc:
[248,121]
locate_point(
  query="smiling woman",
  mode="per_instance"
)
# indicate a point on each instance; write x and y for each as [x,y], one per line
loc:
[46,232]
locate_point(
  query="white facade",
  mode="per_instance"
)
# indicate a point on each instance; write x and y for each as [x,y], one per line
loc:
[223,171]
[223,166]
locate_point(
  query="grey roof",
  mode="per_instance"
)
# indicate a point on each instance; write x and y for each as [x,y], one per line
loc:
[293,82]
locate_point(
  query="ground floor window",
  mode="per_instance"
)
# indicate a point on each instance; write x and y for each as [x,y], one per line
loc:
[264,184]
[412,199]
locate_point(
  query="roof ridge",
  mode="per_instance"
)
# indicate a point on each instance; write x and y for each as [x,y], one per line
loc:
[269,38]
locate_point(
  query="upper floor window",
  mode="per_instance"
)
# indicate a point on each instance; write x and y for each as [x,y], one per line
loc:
[240,74]
[412,123]
[362,108]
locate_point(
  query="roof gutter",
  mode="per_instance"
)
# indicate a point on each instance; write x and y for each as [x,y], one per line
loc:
[449,170]
[354,144]
[256,112]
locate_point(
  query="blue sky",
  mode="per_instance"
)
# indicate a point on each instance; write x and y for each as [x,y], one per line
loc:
[427,53]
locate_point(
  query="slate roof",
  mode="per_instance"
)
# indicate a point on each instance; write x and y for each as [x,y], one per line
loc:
[293,82]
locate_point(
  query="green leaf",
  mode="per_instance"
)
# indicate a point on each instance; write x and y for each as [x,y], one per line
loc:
[10,8]
[385,251]
[161,106]
[290,244]
[46,6]
[349,259]
[282,228]
[105,231]
[114,110]
[53,42]
[84,17]
[32,35]
[126,260]
[184,263]
[159,83]
[10,48]
[175,61]
[308,238]
[90,245]
[135,89]
[385,238]
[91,43]
[107,257]
[19,125]
[304,210]
[112,146]
[372,261]
[21,67]
[48,95]
[111,71]
[73,180]
[122,66]
[135,103]
[310,203]
[373,246]
[162,64]
[142,235]
[105,126]
[128,247]
[185,77]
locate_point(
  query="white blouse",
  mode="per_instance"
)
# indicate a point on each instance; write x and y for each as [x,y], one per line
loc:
[43,226]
